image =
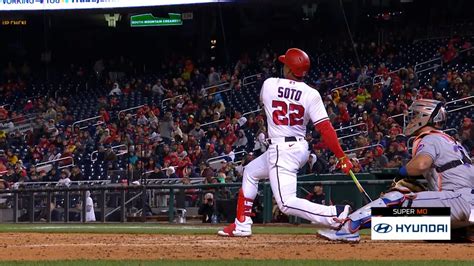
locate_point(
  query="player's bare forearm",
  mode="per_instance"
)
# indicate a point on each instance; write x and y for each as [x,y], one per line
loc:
[419,165]
[329,137]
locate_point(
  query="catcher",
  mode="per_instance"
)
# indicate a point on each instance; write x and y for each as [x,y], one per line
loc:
[442,161]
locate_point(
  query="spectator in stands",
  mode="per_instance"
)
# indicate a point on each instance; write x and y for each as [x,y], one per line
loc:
[413,81]
[358,167]
[219,108]
[362,96]
[261,144]
[150,163]
[396,162]
[42,176]
[332,165]
[380,160]
[317,196]
[147,90]
[386,81]
[157,173]
[135,171]
[76,174]
[310,167]
[228,152]
[448,53]
[115,90]
[241,142]
[50,176]
[10,177]
[4,184]
[133,158]
[3,167]
[197,132]
[166,128]
[214,77]
[367,163]
[50,113]
[64,178]
[3,113]
[344,115]
[207,208]
[392,150]
[110,155]
[171,172]
[181,152]
[142,120]
[33,174]
[158,88]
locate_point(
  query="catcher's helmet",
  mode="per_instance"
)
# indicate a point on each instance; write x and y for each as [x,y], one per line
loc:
[425,112]
[297,61]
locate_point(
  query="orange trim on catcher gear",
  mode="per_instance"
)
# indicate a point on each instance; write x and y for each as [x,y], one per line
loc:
[432,132]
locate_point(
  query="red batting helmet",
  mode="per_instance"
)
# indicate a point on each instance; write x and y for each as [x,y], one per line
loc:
[297,61]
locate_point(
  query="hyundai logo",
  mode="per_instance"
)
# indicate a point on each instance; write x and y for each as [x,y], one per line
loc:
[382,228]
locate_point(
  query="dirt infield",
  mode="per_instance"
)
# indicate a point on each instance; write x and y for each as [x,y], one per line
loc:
[44,246]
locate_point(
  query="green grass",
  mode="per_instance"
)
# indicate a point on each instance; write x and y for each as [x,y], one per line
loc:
[239,263]
[140,228]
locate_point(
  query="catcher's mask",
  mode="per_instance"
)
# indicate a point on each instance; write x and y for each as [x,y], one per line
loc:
[425,112]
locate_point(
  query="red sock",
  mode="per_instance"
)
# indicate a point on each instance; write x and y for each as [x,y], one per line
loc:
[244,207]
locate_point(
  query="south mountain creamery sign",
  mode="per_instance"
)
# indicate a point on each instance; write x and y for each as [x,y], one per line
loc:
[148,20]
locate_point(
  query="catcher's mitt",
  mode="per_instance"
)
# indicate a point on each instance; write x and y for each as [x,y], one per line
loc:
[407,185]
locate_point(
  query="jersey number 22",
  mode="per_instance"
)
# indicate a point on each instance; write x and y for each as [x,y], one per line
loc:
[281,117]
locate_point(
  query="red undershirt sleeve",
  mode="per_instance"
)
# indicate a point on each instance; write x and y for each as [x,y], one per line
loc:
[329,137]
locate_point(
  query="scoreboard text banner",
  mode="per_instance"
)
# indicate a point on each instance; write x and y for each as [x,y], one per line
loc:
[91,4]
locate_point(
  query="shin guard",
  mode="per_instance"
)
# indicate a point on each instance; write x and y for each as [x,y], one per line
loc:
[362,217]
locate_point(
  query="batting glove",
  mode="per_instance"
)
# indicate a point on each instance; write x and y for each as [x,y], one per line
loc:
[345,164]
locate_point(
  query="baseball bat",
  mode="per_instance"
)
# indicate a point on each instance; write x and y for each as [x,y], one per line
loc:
[361,189]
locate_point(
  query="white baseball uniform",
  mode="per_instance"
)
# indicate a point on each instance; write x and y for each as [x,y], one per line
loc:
[289,105]
[90,214]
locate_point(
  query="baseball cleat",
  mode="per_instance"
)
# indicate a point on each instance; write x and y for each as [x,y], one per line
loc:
[238,229]
[339,235]
[231,231]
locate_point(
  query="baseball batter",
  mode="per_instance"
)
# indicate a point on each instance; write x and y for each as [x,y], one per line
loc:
[440,159]
[289,105]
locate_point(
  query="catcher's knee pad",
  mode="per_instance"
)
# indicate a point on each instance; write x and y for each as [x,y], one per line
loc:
[361,218]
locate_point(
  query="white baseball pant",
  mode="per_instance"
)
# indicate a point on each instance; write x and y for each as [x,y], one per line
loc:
[281,163]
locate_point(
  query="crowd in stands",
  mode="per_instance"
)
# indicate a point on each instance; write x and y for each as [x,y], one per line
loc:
[177,140]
